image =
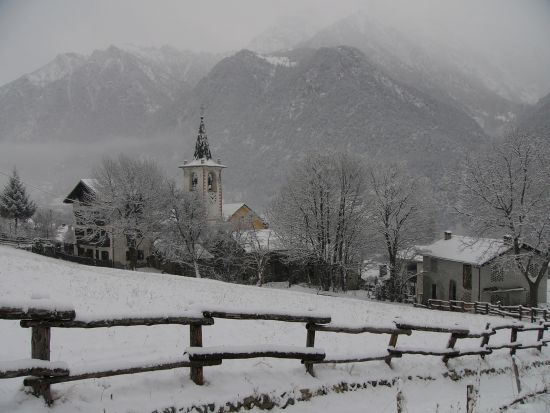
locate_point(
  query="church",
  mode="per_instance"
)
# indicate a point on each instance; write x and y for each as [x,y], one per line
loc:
[202,174]
[205,175]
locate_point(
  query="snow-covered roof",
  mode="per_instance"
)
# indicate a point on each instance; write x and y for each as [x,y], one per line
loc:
[85,183]
[476,251]
[202,162]
[259,239]
[229,209]
[90,183]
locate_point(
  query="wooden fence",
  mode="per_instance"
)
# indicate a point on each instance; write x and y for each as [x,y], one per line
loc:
[514,311]
[45,373]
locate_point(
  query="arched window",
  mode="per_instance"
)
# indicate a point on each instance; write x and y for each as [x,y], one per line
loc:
[211,182]
[194,181]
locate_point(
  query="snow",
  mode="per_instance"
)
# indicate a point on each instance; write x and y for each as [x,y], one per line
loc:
[37,301]
[229,209]
[466,249]
[25,364]
[263,310]
[96,291]
[202,162]
[278,60]
[260,240]
[197,351]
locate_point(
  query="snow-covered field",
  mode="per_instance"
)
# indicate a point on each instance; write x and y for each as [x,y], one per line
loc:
[94,291]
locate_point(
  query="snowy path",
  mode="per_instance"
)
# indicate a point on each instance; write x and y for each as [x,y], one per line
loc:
[95,291]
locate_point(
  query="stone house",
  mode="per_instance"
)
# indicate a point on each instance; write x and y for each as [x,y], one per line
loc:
[469,269]
[105,249]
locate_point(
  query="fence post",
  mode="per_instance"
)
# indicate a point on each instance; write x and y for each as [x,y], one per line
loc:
[40,349]
[485,339]
[392,343]
[545,314]
[487,308]
[195,340]
[513,339]
[520,310]
[540,336]
[310,342]
[533,314]
[450,344]
[463,306]
[471,397]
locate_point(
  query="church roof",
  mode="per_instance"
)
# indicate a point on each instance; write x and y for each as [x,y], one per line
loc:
[229,209]
[202,162]
[202,149]
[84,188]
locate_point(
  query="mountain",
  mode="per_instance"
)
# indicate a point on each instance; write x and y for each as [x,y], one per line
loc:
[112,92]
[265,111]
[537,118]
[471,83]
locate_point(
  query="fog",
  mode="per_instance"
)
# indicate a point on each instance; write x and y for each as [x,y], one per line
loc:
[33,32]
[513,35]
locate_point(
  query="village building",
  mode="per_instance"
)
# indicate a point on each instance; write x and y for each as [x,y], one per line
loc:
[470,269]
[103,248]
[202,174]
[242,217]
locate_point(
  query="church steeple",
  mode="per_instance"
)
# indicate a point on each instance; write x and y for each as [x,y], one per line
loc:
[202,150]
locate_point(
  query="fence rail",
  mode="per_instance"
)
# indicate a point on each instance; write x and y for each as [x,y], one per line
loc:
[45,373]
[519,312]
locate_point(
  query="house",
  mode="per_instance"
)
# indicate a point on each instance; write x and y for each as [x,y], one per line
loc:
[242,217]
[471,269]
[106,249]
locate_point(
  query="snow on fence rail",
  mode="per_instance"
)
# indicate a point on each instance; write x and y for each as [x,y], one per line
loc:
[515,311]
[45,373]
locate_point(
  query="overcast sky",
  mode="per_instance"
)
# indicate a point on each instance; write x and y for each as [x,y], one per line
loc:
[33,32]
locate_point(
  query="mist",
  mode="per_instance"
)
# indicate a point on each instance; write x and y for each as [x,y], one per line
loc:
[513,36]
[32,33]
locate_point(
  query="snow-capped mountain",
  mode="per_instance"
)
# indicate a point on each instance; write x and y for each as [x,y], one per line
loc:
[112,92]
[445,71]
[265,111]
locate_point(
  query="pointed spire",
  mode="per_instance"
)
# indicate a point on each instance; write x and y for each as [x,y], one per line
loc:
[202,150]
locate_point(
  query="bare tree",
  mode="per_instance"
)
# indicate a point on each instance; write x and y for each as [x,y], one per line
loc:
[400,214]
[185,231]
[507,193]
[127,203]
[258,244]
[320,215]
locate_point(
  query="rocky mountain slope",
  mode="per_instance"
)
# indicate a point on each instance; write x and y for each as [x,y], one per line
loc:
[537,118]
[265,111]
[471,83]
[112,92]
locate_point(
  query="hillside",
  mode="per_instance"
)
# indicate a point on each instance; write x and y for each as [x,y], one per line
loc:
[102,292]
[537,118]
[471,83]
[266,111]
[111,93]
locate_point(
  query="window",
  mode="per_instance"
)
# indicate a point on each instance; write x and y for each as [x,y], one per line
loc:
[194,181]
[467,276]
[105,255]
[497,273]
[211,182]
[434,291]
[140,255]
[452,290]
[433,265]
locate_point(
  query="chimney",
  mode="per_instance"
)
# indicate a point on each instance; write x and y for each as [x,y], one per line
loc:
[447,235]
[202,160]
[185,161]
[382,270]
[507,239]
[219,161]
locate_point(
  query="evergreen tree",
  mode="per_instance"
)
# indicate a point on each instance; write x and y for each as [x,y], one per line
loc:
[14,201]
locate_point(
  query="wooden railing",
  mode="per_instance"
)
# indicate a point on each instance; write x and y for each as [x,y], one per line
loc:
[45,373]
[514,311]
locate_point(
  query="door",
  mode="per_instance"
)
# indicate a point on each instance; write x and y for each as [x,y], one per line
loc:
[434,291]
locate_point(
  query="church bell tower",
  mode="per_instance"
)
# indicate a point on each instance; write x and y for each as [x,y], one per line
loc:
[204,175]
